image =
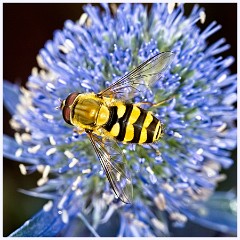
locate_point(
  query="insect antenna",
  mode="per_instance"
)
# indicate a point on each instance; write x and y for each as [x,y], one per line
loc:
[61,104]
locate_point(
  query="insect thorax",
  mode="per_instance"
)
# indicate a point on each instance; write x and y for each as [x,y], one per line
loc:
[89,111]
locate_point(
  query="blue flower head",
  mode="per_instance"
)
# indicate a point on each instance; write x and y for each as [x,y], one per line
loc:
[199,121]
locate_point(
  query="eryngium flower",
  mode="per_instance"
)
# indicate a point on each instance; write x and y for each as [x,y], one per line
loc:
[200,132]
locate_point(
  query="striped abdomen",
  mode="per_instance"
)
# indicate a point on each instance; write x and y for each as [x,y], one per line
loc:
[132,124]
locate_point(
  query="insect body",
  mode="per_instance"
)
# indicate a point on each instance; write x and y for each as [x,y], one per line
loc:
[122,121]
[107,118]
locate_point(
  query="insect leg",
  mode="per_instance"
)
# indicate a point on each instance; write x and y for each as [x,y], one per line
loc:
[79,130]
[150,104]
[155,149]
[139,104]
[162,102]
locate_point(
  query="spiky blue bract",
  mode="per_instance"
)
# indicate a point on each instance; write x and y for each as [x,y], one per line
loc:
[200,131]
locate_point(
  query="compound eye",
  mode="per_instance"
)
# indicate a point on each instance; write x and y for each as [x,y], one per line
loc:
[66,111]
[70,99]
[66,114]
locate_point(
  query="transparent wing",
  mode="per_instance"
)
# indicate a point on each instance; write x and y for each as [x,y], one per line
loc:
[140,78]
[111,159]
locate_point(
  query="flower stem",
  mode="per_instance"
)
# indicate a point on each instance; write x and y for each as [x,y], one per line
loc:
[92,230]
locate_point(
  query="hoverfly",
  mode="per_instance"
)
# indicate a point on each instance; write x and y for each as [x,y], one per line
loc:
[107,117]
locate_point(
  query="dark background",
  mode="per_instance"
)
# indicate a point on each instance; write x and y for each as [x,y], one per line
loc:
[26,27]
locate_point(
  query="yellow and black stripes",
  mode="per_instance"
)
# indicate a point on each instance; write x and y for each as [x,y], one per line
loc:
[123,121]
[132,124]
[113,118]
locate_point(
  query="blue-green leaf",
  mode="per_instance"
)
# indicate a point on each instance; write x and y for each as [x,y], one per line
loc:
[218,213]
[11,94]
[43,224]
